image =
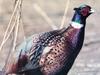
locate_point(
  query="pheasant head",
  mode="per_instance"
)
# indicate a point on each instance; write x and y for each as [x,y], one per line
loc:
[84,10]
[81,13]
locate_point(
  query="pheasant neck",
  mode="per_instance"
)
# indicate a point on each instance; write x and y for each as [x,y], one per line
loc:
[78,21]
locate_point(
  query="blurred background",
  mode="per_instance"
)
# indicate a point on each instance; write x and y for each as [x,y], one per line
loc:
[88,61]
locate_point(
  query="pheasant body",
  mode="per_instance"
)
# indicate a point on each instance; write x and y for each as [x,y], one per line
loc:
[51,53]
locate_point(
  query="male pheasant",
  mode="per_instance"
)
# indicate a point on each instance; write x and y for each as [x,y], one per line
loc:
[53,52]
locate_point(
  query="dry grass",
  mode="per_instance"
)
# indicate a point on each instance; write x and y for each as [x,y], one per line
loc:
[54,9]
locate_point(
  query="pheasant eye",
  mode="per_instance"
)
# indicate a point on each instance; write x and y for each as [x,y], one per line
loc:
[85,11]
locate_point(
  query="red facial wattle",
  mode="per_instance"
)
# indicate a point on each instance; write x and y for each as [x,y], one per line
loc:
[85,11]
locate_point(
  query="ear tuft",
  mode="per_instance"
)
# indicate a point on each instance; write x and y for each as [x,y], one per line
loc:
[75,8]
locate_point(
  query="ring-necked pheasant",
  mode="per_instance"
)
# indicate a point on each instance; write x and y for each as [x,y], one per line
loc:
[53,52]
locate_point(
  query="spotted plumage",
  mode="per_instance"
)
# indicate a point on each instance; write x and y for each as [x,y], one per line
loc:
[53,52]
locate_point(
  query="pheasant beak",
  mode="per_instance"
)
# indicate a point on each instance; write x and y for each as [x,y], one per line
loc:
[91,11]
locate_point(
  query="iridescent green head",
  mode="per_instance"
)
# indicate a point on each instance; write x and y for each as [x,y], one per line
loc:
[84,10]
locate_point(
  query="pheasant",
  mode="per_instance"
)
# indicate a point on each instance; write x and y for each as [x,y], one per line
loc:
[52,52]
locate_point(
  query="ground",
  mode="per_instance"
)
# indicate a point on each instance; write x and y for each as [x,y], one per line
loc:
[87,62]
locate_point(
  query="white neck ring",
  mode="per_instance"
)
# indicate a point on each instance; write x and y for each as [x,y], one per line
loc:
[76,25]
